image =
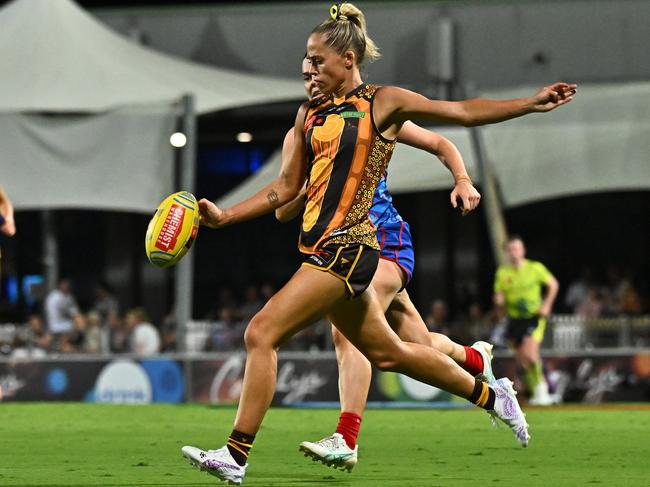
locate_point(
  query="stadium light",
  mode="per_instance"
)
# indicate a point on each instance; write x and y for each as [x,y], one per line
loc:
[178,139]
[244,137]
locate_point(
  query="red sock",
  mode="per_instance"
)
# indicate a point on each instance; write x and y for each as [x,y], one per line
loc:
[473,361]
[349,424]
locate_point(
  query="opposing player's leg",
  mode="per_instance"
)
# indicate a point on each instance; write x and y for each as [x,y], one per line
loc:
[404,318]
[339,450]
[307,297]
[363,323]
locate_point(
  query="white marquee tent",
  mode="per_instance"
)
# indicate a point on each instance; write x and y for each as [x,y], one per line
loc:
[114,101]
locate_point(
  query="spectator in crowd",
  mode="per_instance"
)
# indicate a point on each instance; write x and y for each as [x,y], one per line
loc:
[94,335]
[73,341]
[118,337]
[591,306]
[61,309]
[227,332]
[628,301]
[37,336]
[252,304]
[478,326]
[144,338]
[168,332]
[437,319]
[106,305]
[578,290]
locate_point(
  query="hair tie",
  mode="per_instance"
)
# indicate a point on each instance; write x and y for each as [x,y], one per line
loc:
[335,11]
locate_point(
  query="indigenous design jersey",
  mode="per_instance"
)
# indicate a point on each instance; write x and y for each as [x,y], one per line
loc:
[347,158]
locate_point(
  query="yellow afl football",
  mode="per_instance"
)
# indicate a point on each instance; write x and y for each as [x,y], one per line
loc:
[173,229]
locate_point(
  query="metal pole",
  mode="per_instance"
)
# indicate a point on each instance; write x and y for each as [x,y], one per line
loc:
[50,250]
[184,281]
[495,220]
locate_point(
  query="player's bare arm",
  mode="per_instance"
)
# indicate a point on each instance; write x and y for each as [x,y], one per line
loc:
[393,106]
[420,138]
[285,188]
[292,209]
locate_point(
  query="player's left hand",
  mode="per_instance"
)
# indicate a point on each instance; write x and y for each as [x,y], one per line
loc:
[468,195]
[553,96]
[210,215]
[8,227]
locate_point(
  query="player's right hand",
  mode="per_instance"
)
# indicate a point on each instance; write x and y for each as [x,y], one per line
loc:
[468,195]
[553,96]
[210,215]
[8,227]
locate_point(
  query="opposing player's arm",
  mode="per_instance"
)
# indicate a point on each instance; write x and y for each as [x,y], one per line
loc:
[396,105]
[282,190]
[293,208]
[7,224]
[415,136]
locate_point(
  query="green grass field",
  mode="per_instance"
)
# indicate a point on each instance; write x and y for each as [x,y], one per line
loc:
[86,445]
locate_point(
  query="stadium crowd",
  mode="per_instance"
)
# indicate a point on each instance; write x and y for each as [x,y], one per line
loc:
[60,326]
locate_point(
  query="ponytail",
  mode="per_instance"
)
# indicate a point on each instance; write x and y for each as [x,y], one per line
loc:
[346,30]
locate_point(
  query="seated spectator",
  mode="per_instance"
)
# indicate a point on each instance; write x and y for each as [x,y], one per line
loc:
[227,332]
[591,306]
[628,300]
[144,338]
[252,304]
[73,341]
[94,335]
[37,336]
[106,305]
[118,335]
[168,333]
[436,320]
[578,290]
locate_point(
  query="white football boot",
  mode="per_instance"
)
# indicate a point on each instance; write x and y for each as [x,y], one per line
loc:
[485,349]
[219,463]
[332,451]
[506,408]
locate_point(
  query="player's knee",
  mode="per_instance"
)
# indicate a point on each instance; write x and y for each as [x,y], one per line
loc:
[257,332]
[384,360]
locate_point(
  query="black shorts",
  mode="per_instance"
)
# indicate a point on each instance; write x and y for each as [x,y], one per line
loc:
[518,328]
[354,264]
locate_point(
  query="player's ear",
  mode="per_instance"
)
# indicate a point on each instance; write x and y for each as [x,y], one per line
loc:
[350,59]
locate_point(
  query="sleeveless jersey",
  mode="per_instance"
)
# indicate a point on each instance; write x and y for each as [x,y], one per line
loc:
[347,156]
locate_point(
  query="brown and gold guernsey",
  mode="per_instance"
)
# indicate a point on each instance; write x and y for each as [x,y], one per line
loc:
[347,157]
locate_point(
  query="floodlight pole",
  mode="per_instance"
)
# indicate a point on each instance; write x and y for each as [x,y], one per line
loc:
[184,291]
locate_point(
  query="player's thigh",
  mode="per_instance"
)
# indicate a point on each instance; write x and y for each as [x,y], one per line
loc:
[303,300]
[387,281]
[363,323]
[404,318]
